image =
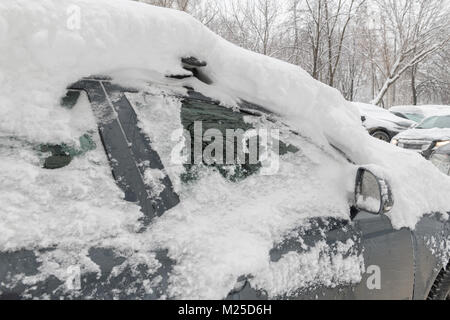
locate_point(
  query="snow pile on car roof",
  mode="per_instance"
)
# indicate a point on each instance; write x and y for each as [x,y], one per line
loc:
[43,51]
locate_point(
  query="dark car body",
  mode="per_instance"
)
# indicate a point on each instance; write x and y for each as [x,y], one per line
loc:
[408,267]
[400,264]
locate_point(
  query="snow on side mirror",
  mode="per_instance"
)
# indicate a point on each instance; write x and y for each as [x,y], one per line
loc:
[372,194]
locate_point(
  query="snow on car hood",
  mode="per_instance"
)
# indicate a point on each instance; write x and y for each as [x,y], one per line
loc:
[435,134]
[214,239]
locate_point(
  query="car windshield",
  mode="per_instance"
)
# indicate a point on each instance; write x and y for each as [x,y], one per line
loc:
[414,117]
[441,122]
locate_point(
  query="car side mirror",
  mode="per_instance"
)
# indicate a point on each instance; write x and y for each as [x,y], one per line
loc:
[363,119]
[372,194]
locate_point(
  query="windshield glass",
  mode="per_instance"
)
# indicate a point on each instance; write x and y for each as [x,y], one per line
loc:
[435,122]
[414,117]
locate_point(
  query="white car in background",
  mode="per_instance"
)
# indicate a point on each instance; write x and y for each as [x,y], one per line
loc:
[381,123]
[427,137]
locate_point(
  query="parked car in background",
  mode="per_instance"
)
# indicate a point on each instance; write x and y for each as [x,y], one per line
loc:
[419,113]
[427,137]
[381,123]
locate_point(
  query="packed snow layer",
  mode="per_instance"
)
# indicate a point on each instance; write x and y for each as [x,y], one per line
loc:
[41,56]
[221,230]
[42,207]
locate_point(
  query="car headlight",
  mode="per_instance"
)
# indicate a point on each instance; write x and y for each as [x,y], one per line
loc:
[442,162]
[394,142]
[441,144]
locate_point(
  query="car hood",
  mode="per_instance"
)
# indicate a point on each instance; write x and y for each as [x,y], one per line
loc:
[435,134]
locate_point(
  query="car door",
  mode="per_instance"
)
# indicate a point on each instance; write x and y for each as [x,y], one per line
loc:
[387,254]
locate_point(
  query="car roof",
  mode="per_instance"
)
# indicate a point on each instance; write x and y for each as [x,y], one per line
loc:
[426,110]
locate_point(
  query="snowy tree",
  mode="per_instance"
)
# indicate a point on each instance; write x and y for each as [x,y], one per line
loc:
[410,33]
[383,51]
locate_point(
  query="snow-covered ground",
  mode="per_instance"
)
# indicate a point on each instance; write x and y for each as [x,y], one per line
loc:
[221,230]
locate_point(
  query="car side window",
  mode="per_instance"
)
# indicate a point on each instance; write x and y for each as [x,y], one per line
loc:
[200,116]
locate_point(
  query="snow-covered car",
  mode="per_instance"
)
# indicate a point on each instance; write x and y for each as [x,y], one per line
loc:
[103,195]
[381,123]
[430,135]
[419,113]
